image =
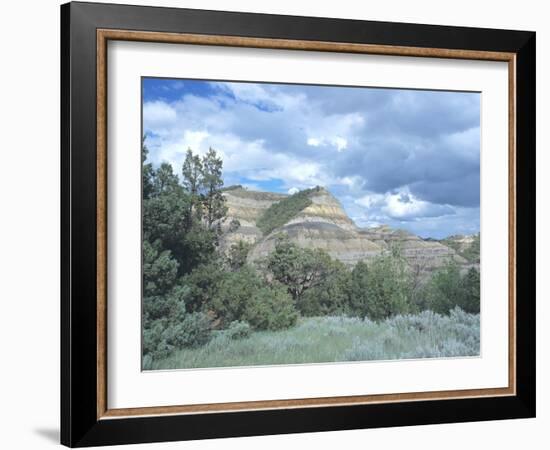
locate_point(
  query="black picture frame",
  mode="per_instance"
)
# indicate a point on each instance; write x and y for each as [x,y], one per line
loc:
[80,425]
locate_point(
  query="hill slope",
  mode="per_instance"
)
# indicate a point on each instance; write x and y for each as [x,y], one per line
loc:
[315,219]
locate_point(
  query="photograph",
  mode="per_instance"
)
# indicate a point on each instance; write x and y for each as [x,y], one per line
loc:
[280,221]
[299,224]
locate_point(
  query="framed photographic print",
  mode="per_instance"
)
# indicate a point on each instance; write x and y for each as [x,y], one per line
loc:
[278,224]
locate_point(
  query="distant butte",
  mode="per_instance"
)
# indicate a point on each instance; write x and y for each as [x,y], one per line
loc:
[324,224]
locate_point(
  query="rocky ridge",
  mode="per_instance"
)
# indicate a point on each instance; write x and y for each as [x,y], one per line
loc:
[325,225]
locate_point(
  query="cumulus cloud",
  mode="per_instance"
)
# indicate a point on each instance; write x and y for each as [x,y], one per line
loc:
[404,157]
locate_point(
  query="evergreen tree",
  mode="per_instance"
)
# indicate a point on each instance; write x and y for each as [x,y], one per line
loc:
[147,173]
[165,180]
[192,182]
[297,268]
[213,201]
[471,283]
[381,289]
[445,289]
[192,173]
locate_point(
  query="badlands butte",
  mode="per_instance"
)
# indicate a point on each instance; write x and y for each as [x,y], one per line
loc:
[315,219]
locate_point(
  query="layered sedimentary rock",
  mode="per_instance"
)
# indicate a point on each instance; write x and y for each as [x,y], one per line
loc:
[244,207]
[345,245]
[425,255]
[324,208]
[247,206]
[324,225]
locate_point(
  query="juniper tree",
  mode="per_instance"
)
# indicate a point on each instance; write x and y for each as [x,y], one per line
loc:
[213,201]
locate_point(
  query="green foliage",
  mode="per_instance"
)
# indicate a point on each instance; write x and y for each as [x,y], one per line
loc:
[213,201]
[380,289]
[159,270]
[338,338]
[359,284]
[165,222]
[204,282]
[238,254]
[238,330]
[424,335]
[147,172]
[281,212]
[169,305]
[234,294]
[471,284]
[165,181]
[197,247]
[243,295]
[297,268]
[202,179]
[472,252]
[162,337]
[331,296]
[191,172]
[271,308]
[163,217]
[179,239]
[447,289]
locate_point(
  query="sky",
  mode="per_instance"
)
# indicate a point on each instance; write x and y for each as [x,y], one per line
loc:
[406,158]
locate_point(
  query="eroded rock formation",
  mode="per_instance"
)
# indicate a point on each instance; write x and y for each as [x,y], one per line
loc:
[325,225]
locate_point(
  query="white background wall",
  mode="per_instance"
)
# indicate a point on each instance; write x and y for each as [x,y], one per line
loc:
[29,224]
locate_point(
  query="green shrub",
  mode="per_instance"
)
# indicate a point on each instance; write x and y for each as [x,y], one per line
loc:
[424,335]
[330,296]
[472,252]
[238,330]
[204,282]
[243,295]
[237,254]
[447,289]
[192,331]
[159,270]
[234,293]
[167,305]
[281,212]
[380,289]
[163,337]
[471,284]
[271,308]
[299,269]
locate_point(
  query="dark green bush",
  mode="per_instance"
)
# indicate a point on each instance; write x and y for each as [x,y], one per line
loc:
[233,294]
[448,288]
[238,329]
[204,282]
[162,337]
[380,289]
[237,254]
[271,308]
[331,296]
[243,295]
[471,283]
[167,305]
[159,270]
[299,269]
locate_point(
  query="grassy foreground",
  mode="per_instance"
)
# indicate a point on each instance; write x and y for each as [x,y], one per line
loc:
[337,339]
